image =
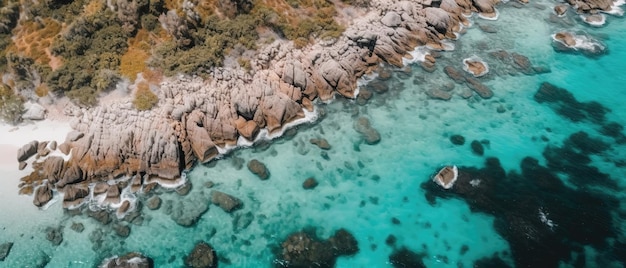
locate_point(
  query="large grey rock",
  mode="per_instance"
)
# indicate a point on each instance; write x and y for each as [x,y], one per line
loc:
[438,18]
[74,136]
[34,111]
[27,151]
[43,195]
[391,19]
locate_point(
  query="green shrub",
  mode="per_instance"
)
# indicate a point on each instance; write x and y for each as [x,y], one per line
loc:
[11,105]
[104,80]
[5,41]
[8,17]
[244,63]
[149,22]
[84,96]
[212,41]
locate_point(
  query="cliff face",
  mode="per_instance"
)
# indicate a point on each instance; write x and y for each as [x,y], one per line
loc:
[196,118]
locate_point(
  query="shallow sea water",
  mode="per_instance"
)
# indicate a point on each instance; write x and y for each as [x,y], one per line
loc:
[374,191]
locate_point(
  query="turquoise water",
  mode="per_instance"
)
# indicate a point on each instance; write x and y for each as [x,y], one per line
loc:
[375,191]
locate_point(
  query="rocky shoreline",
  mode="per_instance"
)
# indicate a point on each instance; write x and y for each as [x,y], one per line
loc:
[115,147]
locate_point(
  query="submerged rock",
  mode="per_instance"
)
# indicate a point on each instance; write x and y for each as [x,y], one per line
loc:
[405,258]
[303,249]
[259,169]
[54,235]
[5,249]
[202,256]
[241,221]
[457,139]
[477,147]
[225,201]
[309,183]
[154,203]
[541,213]
[77,227]
[187,213]
[130,260]
[122,230]
[455,74]
[565,104]
[369,134]
[321,143]
[482,90]
[435,93]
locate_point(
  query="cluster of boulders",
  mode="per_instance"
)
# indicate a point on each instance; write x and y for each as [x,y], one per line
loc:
[196,119]
[202,256]
[305,249]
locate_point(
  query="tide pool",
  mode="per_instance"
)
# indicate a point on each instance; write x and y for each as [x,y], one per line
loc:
[374,191]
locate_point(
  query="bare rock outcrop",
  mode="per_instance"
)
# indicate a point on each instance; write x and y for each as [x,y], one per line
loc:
[195,119]
[591,6]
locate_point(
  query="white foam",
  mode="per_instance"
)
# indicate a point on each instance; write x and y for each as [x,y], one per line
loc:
[266,135]
[543,216]
[55,199]
[418,55]
[497,15]
[478,59]
[616,9]
[602,21]
[447,45]
[583,42]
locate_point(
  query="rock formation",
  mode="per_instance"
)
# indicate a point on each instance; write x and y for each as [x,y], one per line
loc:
[196,119]
[202,256]
[302,249]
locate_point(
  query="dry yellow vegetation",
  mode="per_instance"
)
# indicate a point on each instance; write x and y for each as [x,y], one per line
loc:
[33,38]
[134,60]
[145,99]
[93,7]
